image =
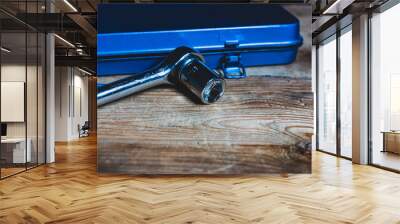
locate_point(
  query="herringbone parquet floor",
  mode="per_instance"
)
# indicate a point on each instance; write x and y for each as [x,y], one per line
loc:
[70,191]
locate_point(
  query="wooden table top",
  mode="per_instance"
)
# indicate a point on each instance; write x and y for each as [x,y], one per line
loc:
[260,125]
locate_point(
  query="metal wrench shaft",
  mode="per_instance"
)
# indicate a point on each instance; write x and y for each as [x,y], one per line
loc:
[182,66]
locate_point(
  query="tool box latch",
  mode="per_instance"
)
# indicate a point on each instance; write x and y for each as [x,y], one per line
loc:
[232,68]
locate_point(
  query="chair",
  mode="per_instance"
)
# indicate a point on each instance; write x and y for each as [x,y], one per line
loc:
[84,130]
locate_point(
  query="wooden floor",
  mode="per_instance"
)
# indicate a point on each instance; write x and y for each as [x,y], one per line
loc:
[8,171]
[386,159]
[70,191]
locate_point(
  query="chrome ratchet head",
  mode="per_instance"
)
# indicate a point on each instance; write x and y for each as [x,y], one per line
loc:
[189,69]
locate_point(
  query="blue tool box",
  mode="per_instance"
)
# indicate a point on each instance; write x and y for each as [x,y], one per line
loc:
[135,37]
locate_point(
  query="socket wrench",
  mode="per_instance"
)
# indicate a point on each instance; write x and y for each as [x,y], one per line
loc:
[182,66]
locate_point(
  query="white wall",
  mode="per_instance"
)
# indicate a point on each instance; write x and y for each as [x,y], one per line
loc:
[80,102]
[14,73]
[71,102]
[33,127]
[61,103]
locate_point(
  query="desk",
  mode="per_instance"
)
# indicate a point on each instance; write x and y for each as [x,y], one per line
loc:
[391,141]
[18,149]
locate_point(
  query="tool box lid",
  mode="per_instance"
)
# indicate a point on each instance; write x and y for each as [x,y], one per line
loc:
[153,29]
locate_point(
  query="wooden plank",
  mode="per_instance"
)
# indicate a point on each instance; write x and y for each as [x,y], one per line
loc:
[261,125]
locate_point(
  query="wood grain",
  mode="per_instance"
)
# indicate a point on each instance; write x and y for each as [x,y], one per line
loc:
[71,191]
[261,125]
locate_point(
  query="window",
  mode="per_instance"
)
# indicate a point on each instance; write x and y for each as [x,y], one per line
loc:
[385,89]
[327,96]
[346,92]
[22,88]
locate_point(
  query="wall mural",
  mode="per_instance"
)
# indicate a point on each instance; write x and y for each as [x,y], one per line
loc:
[186,89]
